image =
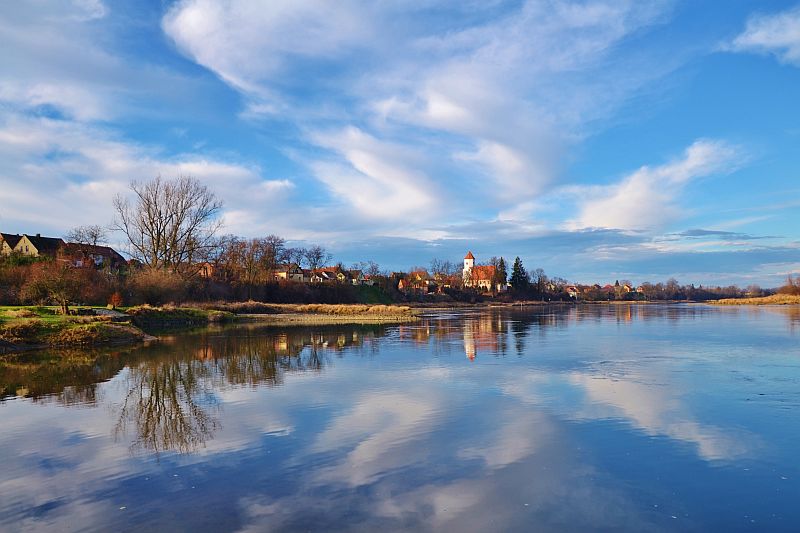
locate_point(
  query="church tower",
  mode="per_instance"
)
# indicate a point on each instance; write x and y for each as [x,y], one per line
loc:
[469,262]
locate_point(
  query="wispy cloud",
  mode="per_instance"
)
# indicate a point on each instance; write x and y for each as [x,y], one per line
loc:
[777,34]
[648,198]
[482,99]
[88,166]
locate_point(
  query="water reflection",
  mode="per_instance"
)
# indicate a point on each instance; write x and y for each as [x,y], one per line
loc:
[618,417]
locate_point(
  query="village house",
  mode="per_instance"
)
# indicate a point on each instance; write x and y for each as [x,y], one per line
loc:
[88,255]
[356,277]
[418,281]
[75,254]
[33,245]
[572,291]
[8,241]
[289,272]
[481,277]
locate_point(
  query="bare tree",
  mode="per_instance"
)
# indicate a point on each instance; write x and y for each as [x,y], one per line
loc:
[91,235]
[274,252]
[170,223]
[56,282]
[296,255]
[317,256]
[443,267]
[367,268]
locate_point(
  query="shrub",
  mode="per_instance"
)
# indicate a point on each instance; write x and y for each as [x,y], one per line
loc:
[21,331]
[115,300]
[157,287]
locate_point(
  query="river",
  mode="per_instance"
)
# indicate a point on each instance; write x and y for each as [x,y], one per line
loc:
[630,417]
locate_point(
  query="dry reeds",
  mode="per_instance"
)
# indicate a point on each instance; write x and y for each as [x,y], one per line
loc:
[775,299]
[20,313]
[350,309]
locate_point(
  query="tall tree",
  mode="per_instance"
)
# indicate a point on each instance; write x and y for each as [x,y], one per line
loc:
[520,281]
[54,282]
[274,251]
[539,279]
[317,257]
[170,222]
[91,235]
[502,272]
[500,276]
[296,255]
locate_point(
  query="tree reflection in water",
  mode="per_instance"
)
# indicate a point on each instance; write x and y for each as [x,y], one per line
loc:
[169,405]
[170,402]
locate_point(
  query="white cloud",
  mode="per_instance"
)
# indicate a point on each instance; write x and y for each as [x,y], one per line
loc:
[377,178]
[90,9]
[777,34]
[491,101]
[88,166]
[648,198]
[248,43]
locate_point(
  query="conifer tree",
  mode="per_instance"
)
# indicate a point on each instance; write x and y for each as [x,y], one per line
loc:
[502,275]
[520,281]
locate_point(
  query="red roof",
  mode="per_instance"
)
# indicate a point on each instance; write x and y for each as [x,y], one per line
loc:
[470,256]
[483,272]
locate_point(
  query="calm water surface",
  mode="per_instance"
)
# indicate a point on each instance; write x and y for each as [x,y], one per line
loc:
[590,418]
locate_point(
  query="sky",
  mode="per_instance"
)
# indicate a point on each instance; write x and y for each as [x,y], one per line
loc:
[596,139]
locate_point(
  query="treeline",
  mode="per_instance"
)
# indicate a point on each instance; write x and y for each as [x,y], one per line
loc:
[177,255]
[537,285]
[238,273]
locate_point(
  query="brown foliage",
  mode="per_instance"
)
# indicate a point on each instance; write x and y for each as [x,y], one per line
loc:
[157,287]
[792,286]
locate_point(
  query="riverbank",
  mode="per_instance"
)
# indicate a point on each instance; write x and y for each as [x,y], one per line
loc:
[329,314]
[36,327]
[775,299]
[29,328]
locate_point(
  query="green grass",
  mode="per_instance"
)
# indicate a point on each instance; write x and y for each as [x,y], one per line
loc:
[12,313]
[44,326]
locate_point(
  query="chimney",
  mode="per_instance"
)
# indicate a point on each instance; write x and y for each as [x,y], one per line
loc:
[38,235]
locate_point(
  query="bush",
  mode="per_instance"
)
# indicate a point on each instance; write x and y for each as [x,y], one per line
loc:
[157,287]
[21,331]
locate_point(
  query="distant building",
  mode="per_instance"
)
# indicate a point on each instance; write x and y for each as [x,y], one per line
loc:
[8,241]
[38,246]
[572,291]
[76,254]
[88,255]
[482,277]
[289,272]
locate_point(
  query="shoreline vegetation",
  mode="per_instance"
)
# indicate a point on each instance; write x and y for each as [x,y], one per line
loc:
[775,299]
[24,328]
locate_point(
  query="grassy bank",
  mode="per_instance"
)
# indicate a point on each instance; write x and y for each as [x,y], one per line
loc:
[775,299]
[34,327]
[168,317]
[293,314]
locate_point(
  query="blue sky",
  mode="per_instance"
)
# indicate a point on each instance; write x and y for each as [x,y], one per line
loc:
[598,140]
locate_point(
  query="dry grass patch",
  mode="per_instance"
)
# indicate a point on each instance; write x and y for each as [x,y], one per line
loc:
[22,331]
[775,299]
[352,309]
[20,313]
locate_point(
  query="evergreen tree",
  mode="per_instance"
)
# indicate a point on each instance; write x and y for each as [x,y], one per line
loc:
[520,281]
[502,275]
